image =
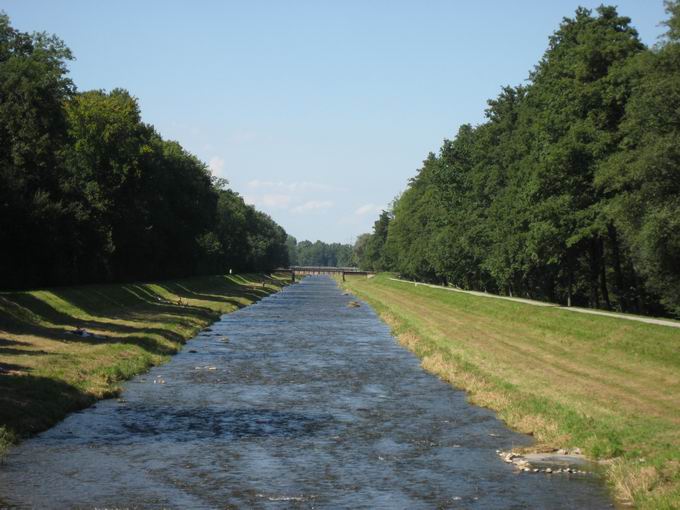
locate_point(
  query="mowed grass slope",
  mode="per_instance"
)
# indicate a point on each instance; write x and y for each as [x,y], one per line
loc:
[606,385]
[46,371]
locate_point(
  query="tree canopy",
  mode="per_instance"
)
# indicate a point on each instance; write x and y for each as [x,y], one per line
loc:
[568,192]
[318,253]
[89,192]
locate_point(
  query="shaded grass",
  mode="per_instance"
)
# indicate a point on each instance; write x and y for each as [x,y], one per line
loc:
[608,386]
[46,371]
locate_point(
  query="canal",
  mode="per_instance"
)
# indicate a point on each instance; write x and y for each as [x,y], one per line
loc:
[298,401]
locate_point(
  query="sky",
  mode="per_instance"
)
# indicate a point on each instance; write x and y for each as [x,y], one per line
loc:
[317,112]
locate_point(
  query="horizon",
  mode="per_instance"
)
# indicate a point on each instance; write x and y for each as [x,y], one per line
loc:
[319,136]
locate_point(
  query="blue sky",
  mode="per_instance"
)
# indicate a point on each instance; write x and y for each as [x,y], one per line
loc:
[317,112]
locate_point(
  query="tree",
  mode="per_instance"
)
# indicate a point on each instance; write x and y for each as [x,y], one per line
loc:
[291,244]
[319,253]
[33,217]
[644,174]
[88,192]
[374,256]
[578,97]
[567,192]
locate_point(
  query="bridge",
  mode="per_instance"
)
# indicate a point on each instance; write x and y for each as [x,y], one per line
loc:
[313,270]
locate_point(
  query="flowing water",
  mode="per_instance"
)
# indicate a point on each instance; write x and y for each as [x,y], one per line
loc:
[297,401]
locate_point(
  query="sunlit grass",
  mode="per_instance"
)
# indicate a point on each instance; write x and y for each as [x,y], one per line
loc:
[46,371]
[606,385]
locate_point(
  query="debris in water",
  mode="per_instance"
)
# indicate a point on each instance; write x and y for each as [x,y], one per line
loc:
[285,498]
[555,462]
[353,304]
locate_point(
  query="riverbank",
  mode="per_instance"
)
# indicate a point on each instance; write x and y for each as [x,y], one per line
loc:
[608,386]
[300,401]
[62,349]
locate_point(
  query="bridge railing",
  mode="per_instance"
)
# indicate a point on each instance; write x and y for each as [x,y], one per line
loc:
[330,269]
[312,270]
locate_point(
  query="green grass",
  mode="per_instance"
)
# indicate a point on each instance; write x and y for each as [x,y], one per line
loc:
[47,372]
[607,385]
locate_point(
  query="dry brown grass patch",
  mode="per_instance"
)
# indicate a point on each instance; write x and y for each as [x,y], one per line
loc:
[390,320]
[543,429]
[629,480]
[409,340]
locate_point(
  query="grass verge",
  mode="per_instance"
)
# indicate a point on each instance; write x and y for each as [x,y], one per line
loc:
[46,371]
[606,385]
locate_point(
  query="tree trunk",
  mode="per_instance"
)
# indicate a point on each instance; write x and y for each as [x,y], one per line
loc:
[594,273]
[636,283]
[570,282]
[603,275]
[618,273]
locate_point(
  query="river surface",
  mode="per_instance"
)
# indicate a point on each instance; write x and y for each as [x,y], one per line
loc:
[297,401]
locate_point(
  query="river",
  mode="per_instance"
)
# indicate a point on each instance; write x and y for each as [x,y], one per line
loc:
[296,401]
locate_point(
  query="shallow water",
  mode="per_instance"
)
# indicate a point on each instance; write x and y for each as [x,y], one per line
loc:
[306,403]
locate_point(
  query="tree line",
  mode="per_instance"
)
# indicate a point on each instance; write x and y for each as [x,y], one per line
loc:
[91,193]
[570,189]
[318,253]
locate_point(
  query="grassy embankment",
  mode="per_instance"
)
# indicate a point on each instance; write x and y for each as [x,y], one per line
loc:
[606,385]
[47,372]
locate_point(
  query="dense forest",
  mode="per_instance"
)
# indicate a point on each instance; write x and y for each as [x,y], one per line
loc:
[307,253]
[89,192]
[568,192]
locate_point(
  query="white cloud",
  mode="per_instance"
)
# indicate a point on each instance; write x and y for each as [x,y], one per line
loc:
[257,184]
[216,165]
[313,205]
[290,186]
[367,209]
[271,200]
[299,197]
[276,200]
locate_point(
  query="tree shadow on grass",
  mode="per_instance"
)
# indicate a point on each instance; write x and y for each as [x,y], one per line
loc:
[117,300]
[32,316]
[9,351]
[11,367]
[235,291]
[30,404]
[6,367]
[143,340]
[128,302]
[4,342]
[56,314]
